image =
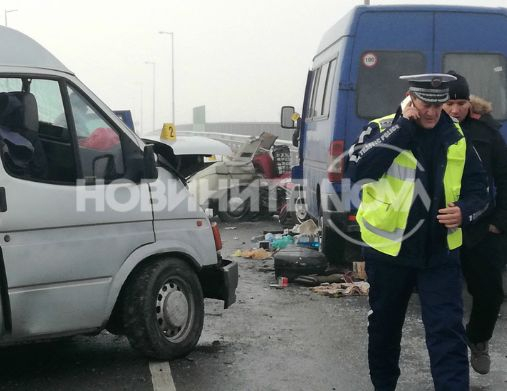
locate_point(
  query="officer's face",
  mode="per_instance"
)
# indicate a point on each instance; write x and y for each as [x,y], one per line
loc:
[457,108]
[429,113]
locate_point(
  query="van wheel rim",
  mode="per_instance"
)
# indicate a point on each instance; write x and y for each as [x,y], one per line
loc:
[236,206]
[172,310]
[300,209]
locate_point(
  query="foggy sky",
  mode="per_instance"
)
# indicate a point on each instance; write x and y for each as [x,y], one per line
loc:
[242,59]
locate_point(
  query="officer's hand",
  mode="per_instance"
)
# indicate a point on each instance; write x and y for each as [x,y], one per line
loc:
[450,216]
[410,111]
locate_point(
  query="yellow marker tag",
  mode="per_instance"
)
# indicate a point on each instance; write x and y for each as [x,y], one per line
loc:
[211,158]
[295,116]
[168,132]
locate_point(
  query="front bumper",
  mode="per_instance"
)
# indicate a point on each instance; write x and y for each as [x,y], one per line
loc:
[220,281]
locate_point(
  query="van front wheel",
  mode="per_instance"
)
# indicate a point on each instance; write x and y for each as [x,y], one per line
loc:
[164,309]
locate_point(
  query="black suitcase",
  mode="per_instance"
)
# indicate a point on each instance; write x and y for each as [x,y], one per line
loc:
[294,261]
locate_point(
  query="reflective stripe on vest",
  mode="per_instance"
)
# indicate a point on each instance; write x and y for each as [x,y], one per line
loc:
[386,203]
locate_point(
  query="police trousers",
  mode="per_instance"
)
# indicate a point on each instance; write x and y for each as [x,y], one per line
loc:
[483,265]
[440,295]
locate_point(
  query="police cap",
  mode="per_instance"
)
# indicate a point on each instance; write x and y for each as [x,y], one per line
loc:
[430,87]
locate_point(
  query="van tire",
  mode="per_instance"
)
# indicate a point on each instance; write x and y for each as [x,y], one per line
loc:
[163,310]
[234,213]
[331,244]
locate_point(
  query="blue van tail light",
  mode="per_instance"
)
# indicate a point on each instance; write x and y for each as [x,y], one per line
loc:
[335,166]
[351,218]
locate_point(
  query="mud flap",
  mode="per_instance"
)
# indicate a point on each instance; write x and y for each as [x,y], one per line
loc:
[220,281]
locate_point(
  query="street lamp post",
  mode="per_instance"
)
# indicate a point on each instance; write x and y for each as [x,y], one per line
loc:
[153,64]
[172,72]
[5,15]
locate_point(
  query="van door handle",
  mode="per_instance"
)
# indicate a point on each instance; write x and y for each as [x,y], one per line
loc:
[3,200]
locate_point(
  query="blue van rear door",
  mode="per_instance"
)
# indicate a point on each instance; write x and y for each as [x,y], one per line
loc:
[473,44]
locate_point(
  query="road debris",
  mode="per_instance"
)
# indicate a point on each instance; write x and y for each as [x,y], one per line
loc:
[255,253]
[335,289]
[307,227]
[359,270]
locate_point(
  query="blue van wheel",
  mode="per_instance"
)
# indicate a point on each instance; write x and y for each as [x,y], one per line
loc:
[331,244]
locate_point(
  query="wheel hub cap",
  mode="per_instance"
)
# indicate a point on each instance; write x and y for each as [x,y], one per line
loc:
[172,309]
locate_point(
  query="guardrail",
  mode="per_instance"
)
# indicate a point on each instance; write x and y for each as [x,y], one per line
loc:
[236,140]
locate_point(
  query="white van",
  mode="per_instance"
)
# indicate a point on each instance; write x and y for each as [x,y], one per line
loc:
[94,233]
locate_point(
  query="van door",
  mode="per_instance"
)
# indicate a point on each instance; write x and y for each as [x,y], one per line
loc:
[379,56]
[71,218]
[480,57]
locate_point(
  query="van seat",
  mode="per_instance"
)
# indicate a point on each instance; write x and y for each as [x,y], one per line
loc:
[19,111]
[20,115]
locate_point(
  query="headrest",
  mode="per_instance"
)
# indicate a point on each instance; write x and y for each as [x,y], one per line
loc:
[18,111]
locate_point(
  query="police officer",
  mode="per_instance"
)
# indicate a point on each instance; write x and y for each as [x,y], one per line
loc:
[484,253]
[421,182]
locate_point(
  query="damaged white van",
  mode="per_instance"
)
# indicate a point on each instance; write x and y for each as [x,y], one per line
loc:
[96,231]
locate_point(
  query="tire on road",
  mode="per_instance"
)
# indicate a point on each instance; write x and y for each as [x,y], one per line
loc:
[331,244]
[163,309]
[237,208]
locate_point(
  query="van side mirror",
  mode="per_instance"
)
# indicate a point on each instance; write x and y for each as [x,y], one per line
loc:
[287,121]
[149,163]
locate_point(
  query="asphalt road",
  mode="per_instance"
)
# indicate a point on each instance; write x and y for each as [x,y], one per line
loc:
[270,339]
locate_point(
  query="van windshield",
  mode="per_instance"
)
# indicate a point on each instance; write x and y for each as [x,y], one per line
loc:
[486,76]
[379,89]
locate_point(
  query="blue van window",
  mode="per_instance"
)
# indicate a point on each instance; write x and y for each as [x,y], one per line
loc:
[486,75]
[319,85]
[329,88]
[379,89]
[321,90]
[311,110]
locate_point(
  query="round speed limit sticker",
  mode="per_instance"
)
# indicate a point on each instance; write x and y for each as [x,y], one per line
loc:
[369,60]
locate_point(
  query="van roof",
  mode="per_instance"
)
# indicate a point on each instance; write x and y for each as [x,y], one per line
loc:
[17,49]
[344,27]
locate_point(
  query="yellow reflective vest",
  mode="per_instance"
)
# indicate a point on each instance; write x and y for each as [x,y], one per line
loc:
[386,203]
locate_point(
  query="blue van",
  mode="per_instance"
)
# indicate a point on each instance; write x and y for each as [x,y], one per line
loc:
[354,79]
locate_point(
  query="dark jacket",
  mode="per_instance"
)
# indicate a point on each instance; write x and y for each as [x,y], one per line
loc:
[427,246]
[481,129]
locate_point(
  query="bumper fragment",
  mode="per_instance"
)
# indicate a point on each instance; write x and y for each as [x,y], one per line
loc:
[220,281]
